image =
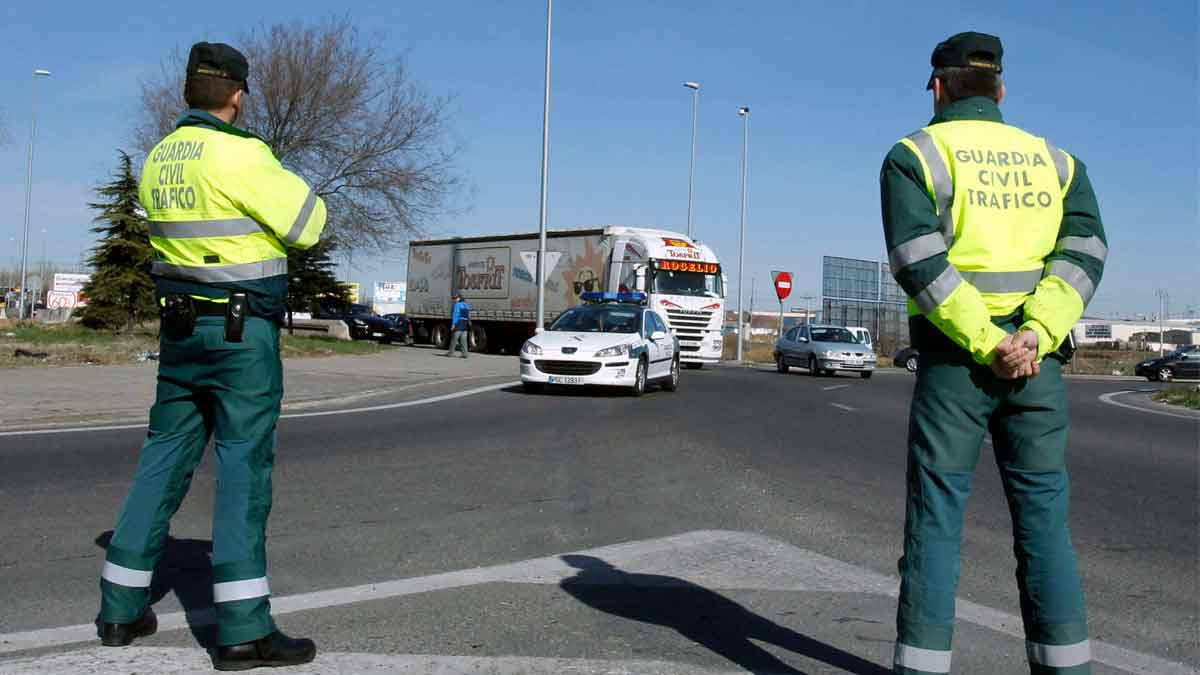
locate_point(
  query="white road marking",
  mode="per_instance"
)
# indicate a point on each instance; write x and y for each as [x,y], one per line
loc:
[844,407]
[716,559]
[836,386]
[101,661]
[1110,399]
[288,416]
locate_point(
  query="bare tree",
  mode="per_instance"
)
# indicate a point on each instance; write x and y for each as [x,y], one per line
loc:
[371,142]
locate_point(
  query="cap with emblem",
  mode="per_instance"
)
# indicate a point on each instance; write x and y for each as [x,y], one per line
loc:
[967,50]
[217,59]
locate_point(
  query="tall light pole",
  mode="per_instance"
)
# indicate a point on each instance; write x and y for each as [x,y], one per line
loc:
[695,87]
[541,259]
[1162,308]
[744,113]
[29,189]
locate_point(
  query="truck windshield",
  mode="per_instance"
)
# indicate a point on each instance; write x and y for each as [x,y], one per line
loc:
[687,283]
[598,319]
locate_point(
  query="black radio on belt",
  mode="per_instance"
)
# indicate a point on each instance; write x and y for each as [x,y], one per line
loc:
[1067,349]
[235,317]
[178,314]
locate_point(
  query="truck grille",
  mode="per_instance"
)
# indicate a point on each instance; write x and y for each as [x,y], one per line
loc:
[689,323]
[567,367]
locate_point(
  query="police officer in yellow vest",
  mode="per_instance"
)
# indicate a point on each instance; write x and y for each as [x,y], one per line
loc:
[995,235]
[222,212]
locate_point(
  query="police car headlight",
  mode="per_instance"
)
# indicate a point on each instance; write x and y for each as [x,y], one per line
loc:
[619,350]
[531,349]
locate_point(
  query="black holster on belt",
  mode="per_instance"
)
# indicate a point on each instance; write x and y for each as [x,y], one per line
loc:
[235,317]
[178,314]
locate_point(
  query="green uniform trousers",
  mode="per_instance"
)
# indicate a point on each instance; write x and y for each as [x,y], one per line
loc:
[956,402]
[207,388]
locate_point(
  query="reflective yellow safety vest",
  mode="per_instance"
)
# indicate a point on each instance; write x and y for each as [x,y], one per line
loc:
[998,193]
[222,210]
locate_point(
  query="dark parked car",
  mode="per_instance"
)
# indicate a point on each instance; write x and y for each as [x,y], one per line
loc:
[1181,363]
[363,323]
[907,358]
[403,327]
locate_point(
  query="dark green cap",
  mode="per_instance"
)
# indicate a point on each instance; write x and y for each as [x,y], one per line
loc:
[967,50]
[217,59]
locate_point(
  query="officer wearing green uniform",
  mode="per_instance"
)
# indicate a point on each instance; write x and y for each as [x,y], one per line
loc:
[995,235]
[222,212]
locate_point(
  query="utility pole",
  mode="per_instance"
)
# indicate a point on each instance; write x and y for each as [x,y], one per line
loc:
[1162,308]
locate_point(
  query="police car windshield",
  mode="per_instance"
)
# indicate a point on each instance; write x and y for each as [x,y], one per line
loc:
[687,283]
[598,319]
[833,335]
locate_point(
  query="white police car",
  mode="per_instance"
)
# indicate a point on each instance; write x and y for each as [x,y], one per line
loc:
[612,340]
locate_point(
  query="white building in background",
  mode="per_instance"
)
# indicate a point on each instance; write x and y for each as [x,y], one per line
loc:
[1107,331]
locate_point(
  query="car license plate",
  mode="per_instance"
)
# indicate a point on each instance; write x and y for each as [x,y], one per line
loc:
[854,362]
[376,334]
[563,379]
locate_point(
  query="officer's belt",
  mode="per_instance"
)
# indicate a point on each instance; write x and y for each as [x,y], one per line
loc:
[208,308]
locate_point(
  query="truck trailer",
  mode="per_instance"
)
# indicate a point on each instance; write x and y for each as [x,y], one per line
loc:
[497,275]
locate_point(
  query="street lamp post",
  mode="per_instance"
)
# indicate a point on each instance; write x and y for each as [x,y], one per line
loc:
[541,258]
[744,113]
[695,87]
[29,190]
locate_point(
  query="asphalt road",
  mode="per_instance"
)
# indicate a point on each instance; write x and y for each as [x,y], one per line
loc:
[749,522]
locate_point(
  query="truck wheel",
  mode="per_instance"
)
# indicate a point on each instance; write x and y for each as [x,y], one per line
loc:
[478,339]
[866,375]
[639,379]
[439,335]
[695,366]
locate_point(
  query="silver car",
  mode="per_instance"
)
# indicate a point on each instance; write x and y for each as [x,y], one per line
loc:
[823,349]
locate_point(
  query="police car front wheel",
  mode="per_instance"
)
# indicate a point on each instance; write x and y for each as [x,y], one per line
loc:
[671,383]
[639,379]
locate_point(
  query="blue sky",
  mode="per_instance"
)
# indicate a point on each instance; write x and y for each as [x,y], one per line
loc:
[831,87]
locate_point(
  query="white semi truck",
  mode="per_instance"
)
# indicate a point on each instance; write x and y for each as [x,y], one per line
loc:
[497,275]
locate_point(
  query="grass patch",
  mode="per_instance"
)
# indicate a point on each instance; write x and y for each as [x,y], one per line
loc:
[295,346]
[1188,397]
[72,344]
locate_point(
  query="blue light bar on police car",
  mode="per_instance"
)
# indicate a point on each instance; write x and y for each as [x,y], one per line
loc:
[597,296]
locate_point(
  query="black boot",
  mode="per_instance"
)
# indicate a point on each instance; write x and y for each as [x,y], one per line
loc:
[121,634]
[271,651]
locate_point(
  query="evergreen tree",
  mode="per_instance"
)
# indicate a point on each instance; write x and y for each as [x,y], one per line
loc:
[121,291]
[311,278]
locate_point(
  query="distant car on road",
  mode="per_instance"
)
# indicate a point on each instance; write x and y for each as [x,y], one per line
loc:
[614,340]
[907,358]
[823,349]
[364,324]
[1181,363]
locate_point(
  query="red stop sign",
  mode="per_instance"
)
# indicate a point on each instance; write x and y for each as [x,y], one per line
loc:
[783,284]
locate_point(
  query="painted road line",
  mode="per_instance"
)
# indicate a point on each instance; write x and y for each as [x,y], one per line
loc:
[716,559]
[844,407]
[170,660]
[1111,400]
[288,416]
[836,386]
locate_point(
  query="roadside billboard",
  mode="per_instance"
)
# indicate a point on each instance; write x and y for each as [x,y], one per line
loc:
[389,297]
[68,283]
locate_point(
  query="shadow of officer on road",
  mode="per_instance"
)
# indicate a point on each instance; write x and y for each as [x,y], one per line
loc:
[185,569]
[701,615]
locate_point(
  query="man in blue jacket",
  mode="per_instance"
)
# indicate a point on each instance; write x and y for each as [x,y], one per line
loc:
[460,324]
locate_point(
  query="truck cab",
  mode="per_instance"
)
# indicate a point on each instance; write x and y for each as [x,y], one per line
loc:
[683,281]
